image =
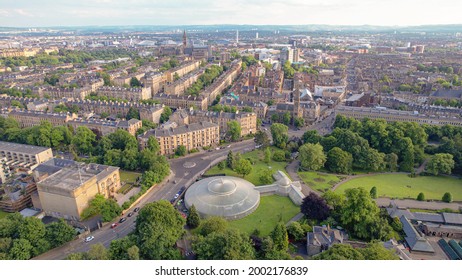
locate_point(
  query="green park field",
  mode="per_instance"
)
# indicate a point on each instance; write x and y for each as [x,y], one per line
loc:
[272,210]
[403,186]
[257,167]
[319,181]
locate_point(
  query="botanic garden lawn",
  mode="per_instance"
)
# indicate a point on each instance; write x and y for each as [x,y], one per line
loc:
[272,210]
[403,186]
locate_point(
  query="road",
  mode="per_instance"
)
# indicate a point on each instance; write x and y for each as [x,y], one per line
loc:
[185,170]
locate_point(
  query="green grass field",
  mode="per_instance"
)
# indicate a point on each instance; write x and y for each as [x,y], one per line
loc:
[129,177]
[403,186]
[272,209]
[253,177]
[318,181]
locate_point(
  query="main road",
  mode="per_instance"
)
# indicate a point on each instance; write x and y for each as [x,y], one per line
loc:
[185,171]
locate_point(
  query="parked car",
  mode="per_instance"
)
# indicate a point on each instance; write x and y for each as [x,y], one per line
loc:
[229,146]
[130,214]
[176,196]
[122,220]
[183,188]
[89,238]
[114,225]
[136,209]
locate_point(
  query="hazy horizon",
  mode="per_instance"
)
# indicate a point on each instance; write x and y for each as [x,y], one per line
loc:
[49,13]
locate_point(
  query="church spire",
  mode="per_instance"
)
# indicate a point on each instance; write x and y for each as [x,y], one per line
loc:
[184,38]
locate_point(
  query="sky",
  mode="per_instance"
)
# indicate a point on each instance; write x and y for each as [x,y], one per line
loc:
[35,13]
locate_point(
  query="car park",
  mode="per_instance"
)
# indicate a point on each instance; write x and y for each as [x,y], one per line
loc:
[89,238]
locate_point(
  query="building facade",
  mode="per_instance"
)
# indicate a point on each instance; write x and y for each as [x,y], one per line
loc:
[192,136]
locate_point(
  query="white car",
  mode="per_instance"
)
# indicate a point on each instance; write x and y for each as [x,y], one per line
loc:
[89,238]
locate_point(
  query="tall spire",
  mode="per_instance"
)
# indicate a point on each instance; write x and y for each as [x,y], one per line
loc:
[184,38]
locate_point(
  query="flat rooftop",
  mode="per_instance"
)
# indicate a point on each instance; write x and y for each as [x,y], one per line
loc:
[21,148]
[72,177]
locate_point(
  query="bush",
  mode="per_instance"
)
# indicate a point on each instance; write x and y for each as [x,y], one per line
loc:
[279,156]
[447,197]
[421,197]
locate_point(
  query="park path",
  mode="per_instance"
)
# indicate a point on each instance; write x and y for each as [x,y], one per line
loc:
[292,169]
[411,203]
[421,168]
[295,218]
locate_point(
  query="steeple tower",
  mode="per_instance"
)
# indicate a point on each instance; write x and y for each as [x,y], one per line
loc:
[184,39]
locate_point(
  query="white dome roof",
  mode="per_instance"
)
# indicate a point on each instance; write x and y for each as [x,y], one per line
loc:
[225,196]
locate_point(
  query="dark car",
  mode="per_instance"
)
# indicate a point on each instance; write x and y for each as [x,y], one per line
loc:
[136,209]
[183,188]
[172,201]
[130,214]
[122,220]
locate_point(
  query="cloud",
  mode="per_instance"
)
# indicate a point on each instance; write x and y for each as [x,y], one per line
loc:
[23,13]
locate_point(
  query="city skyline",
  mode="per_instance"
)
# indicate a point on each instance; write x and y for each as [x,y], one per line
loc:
[27,13]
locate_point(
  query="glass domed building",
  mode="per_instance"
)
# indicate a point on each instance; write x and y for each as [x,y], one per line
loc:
[225,196]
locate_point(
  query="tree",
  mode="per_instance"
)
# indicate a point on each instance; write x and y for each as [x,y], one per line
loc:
[311,136]
[267,155]
[84,140]
[118,250]
[421,196]
[244,167]
[261,138]
[193,219]
[280,135]
[311,156]
[21,249]
[222,165]
[447,197]
[133,253]
[230,159]
[234,131]
[153,144]
[224,245]
[361,216]
[296,231]
[180,151]
[373,192]
[391,162]
[314,207]
[165,114]
[340,252]
[213,224]
[440,163]
[108,208]
[133,113]
[33,230]
[97,252]
[286,118]
[266,177]
[280,237]
[279,156]
[134,82]
[59,232]
[158,227]
[339,161]
[299,122]
[376,251]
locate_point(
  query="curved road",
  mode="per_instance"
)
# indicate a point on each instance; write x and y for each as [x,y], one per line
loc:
[181,176]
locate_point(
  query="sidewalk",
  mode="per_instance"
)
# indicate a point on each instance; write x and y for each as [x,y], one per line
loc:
[410,203]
